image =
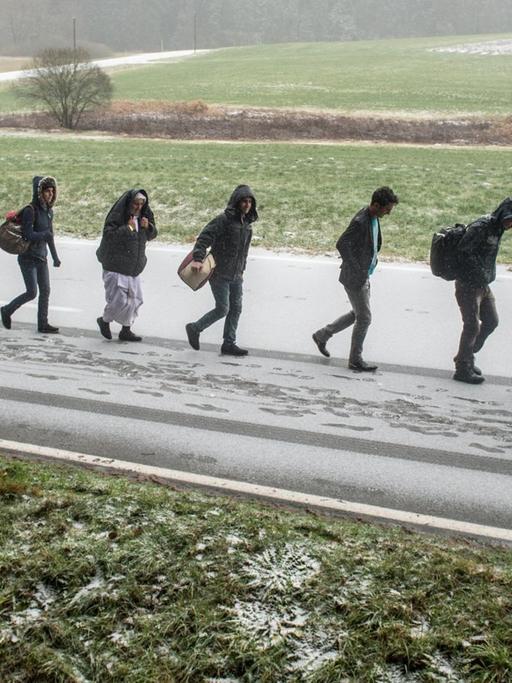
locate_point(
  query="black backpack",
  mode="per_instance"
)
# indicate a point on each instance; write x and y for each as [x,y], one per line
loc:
[444,254]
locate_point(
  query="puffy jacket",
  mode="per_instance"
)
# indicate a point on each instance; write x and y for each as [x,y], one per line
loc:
[37,221]
[478,249]
[123,250]
[356,249]
[229,235]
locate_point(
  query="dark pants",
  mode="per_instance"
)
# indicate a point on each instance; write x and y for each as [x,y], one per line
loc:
[35,274]
[479,318]
[228,303]
[360,316]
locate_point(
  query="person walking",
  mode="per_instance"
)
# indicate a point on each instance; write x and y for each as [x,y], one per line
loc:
[229,235]
[477,253]
[129,225]
[36,228]
[358,247]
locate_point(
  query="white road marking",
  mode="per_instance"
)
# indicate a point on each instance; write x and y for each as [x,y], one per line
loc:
[427,522]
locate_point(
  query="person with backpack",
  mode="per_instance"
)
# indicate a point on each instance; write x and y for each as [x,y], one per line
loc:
[229,235]
[358,247]
[477,252]
[129,225]
[37,229]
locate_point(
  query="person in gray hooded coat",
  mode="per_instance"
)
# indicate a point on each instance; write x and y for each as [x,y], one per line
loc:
[477,253]
[229,235]
[37,229]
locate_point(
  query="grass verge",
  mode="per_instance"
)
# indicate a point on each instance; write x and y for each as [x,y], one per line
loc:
[307,193]
[102,579]
[403,75]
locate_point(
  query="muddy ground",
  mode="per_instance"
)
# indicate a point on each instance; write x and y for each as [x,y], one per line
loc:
[198,121]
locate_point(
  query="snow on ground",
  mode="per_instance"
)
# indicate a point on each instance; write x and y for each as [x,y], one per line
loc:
[491,47]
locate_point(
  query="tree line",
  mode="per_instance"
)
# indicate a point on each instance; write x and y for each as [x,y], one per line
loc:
[151,25]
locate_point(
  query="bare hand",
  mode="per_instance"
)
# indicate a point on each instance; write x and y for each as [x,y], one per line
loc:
[144,223]
[131,223]
[196,266]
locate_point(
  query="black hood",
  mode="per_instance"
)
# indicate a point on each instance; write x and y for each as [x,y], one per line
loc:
[237,195]
[37,188]
[503,212]
[120,211]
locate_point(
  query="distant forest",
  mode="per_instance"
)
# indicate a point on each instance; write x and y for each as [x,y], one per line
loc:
[104,26]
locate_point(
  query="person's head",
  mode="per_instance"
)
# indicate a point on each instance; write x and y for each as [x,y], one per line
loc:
[48,190]
[137,203]
[245,205]
[382,202]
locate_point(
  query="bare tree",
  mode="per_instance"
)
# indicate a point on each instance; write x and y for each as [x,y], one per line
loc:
[66,84]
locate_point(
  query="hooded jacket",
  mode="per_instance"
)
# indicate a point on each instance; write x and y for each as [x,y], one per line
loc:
[37,221]
[229,235]
[478,249]
[123,250]
[356,249]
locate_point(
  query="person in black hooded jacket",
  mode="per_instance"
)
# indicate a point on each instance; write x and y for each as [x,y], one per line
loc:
[229,235]
[37,228]
[129,225]
[477,253]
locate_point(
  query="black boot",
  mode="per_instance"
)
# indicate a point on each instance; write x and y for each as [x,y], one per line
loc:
[320,345]
[6,318]
[104,328]
[231,349]
[192,336]
[464,372]
[360,366]
[48,329]
[127,335]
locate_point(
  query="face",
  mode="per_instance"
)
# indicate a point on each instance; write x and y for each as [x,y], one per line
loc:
[381,211]
[48,195]
[245,205]
[136,206]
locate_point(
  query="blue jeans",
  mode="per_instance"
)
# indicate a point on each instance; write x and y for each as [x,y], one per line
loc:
[228,303]
[35,274]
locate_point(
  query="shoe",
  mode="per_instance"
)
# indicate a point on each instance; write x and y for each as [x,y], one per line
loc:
[192,336]
[468,375]
[6,318]
[48,329]
[477,370]
[127,335]
[228,349]
[321,346]
[104,328]
[361,366]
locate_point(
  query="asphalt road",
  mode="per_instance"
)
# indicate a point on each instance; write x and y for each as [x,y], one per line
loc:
[407,437]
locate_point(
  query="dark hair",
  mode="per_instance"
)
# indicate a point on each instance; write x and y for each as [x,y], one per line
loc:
[384,196]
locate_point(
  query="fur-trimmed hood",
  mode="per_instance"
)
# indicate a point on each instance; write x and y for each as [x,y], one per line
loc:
[38,183]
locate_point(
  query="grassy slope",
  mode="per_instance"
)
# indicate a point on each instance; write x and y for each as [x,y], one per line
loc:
[385,75]
[103,580]
[307,193]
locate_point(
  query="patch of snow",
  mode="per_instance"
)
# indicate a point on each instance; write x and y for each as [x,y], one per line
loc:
[276,569]
[490,47]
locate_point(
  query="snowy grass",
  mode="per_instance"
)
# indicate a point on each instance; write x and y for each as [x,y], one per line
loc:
[106,580]
[306,194]
[405,76]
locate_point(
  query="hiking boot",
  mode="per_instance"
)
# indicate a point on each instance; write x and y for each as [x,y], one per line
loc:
[466,373]
[48,329]
[104,328]
[361,366]
[6,318]
[231,349]
[192,336]
[127,335]
[321,345]
[477,370]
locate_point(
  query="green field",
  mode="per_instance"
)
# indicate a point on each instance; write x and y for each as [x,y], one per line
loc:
[106,580]
[306,193]
[377,76]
